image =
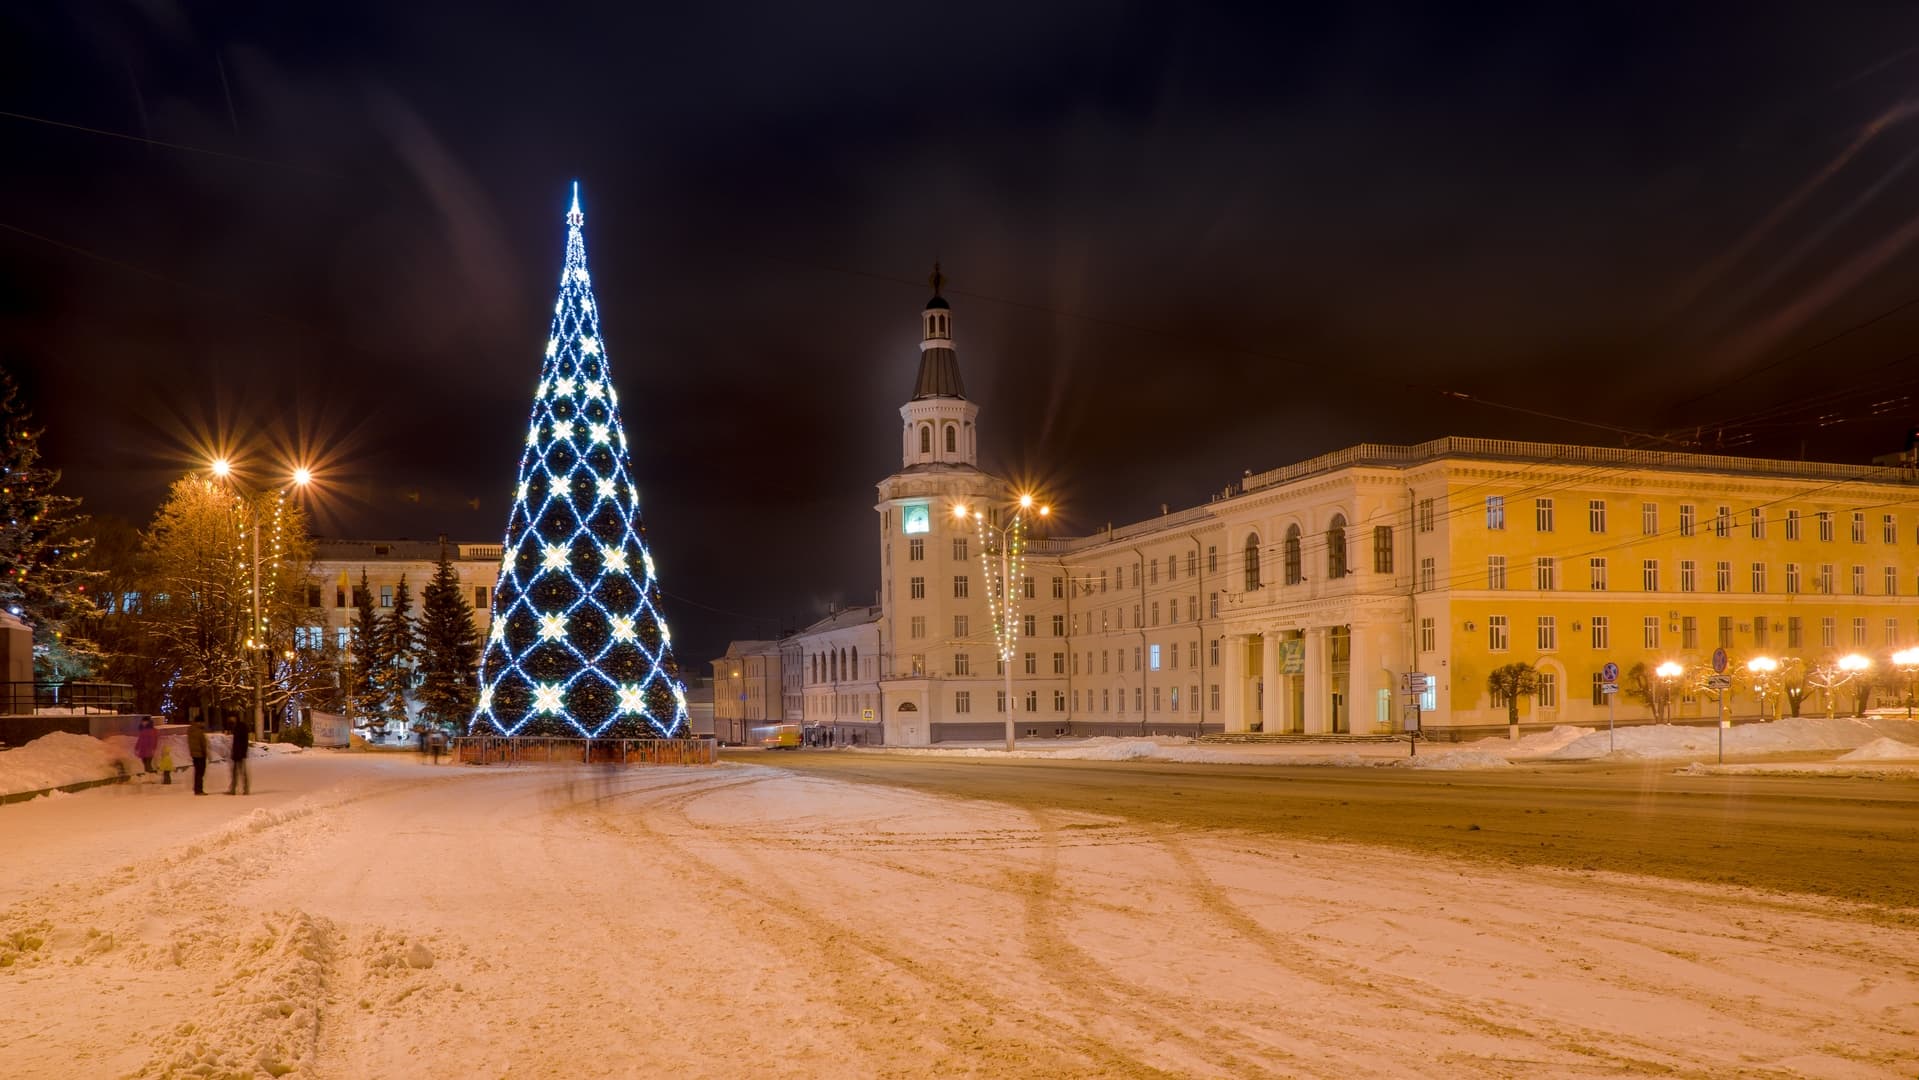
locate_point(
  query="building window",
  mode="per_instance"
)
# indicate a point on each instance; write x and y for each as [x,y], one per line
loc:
[1649,575]
[1688,632]
[1597,564]
[1825,526]
[1059,588]
[1029,625]
[1859,631]
[339,596]
[1686,519]
[1382,549]
[1651,632]
[1792,524]
[1031,660]
[1212,559]
[1892,580]
[1026,587]
[1548,633]
[962,664]
[1825,579]
[1828,632]
[1495,571]
[1428,635]
[1212,605]
[1156,699]
[1596,515]
[919,626]
[962,626]
[1758,523]
[1758,577]
[1858,527]
[1725,631]
[916,549]
[1212,652]
[916,588]
[1496,633]
[1152,657]
[1722,522]
[1102,581]
[1547,690]
[1599,689]
[1252,562]
[959,549]
[1545,573]
[1336,548]
[1722,576]
[1059,701]
[1543,515]
[1295,570]
[480,597]
[1892,631]
[1495,511]
[1688,576]
[1792,578]
[1601,632]
[959,586]
[1059,626]
[1759,631]
[1425,515]
[1427,575]
[386,596]
[1792,632]
[1212,696]
[1889,529]
[1649,519]
[1858,580]
[1155,610]
[1152,572]
[962,701]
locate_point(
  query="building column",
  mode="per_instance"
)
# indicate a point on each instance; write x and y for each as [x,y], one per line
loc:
[1232,682]
[1319,691]
[1269,674]
[1362,682]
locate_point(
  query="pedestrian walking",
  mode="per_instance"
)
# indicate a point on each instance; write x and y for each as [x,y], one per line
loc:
[237,775]
[146,741]
[197,750]
[166,764]
[436,740]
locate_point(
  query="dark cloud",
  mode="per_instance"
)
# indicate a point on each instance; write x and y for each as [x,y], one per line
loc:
[1182,241]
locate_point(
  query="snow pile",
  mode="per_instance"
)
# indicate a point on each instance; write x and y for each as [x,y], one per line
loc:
[1539,743]
[1883,749]
[1800,733]
[64,758]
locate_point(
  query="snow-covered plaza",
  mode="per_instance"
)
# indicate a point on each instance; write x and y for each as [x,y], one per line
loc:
[371,915]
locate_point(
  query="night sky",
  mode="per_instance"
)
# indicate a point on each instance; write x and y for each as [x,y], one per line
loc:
[1180,243]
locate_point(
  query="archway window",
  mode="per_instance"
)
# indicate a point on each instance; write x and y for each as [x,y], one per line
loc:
[1295,570]
[856,662]
[1252,562]
[926,438]
[952,439]
[1336,547]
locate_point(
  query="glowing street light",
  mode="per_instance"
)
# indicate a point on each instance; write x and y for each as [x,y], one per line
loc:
[1907,661]
[1762,669]
[1833,674]
[302,476]
[1002,599]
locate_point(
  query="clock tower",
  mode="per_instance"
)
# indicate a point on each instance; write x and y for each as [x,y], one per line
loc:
[933,599]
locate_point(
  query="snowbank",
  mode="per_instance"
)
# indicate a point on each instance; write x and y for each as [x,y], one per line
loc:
[1793,734]
[64,758]
[1883,749]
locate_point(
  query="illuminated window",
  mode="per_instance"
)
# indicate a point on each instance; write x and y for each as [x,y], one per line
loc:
[1495,511]
[1153,657]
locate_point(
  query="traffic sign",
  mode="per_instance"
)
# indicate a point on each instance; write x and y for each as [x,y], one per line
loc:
[1609,673]
[1719,682]
[1719,660]
[1609,688]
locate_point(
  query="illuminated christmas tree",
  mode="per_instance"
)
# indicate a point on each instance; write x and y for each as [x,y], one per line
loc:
[577,646]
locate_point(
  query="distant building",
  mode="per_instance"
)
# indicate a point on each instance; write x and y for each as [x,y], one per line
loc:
[746,691]
[338,564]
[1298,599]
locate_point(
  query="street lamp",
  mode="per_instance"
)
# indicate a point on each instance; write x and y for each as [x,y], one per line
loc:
[1762,669]
[1833,674]
[1669,673]
[222,470]
[1907,661]
[1002,599]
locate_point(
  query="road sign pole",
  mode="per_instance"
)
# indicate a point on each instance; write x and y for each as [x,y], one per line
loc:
[1722,727]
[1610,698]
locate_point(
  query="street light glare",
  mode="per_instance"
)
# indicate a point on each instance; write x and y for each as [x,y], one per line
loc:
[959,511]
[302,476]
[1025,502]
[1854,662]
[222,467]
[1045,510]
[1762,663]
[1669,670]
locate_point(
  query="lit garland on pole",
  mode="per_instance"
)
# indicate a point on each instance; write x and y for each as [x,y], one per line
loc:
[577,646]
[1005,581]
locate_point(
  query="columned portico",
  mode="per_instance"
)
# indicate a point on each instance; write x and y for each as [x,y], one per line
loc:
[1318,718]
[1271,716]
[1233,690]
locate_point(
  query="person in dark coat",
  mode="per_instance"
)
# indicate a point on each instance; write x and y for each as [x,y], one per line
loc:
[237,775]
[146,742]
[197,750]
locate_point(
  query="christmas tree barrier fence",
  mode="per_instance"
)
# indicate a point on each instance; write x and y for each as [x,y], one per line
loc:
[539,749]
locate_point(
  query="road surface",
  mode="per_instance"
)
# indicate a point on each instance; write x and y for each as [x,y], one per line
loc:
[366,916]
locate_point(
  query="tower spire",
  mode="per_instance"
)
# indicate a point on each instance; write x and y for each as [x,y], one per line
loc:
[936,279]
[573,216]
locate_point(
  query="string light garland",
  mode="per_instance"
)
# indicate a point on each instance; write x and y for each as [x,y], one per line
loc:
[578,646]
[1003,589]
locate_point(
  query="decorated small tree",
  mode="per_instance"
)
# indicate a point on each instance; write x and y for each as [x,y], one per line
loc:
[578,646]
[449,650]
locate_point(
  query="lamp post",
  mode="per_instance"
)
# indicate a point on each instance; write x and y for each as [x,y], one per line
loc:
[1907,661]
[222,470]
[1833,674]
[1762,669]
[1002,600]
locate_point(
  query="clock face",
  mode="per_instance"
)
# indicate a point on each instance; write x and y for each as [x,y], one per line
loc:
[915,519]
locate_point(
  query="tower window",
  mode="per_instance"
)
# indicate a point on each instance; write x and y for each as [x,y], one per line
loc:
[926,438]
[952,439]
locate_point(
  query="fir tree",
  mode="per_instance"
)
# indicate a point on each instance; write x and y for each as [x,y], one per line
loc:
[399,655]
[42,577]
[449,649]
[365,650]
[577,646]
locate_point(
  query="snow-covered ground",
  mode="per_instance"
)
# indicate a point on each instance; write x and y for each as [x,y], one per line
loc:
[61,758]
[368,915]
